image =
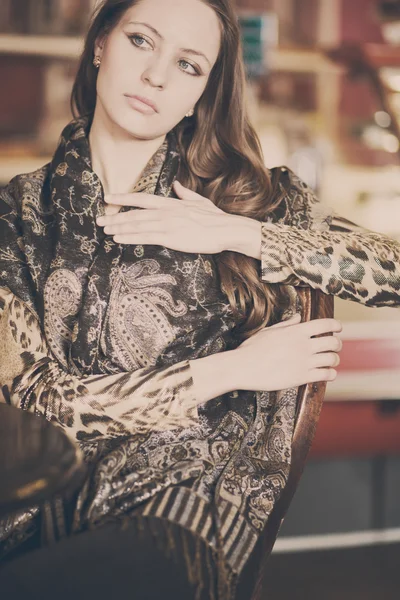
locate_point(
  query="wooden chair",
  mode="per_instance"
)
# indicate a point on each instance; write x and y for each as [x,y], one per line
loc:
[316,305]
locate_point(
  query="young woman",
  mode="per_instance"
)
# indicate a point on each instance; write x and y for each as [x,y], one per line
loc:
[139,270]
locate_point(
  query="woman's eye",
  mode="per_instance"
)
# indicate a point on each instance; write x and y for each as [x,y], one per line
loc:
[196,72]
[136,39]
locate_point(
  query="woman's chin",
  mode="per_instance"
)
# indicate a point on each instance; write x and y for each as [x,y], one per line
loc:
[138,128]
[136,124]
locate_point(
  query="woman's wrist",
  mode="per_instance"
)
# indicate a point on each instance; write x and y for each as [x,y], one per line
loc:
[245,236]
[213,375]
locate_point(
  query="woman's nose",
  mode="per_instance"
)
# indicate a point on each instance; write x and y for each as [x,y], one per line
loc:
[156,73]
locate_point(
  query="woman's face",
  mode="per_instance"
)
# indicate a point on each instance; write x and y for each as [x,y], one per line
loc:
[162,50]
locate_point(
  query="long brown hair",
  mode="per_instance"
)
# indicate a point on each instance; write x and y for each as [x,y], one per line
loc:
[222,159]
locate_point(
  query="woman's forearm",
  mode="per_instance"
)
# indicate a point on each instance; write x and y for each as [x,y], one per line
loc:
[213,375]
[91,407]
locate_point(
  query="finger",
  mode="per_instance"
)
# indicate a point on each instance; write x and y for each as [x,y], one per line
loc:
[292,321]
[322,375]
[320,326]
[111,209]
[131,215]
[185,193]
[140,199]
[139,238]
[134,227]
[326,343]
[326,359]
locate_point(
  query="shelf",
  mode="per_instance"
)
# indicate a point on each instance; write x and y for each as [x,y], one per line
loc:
[300,60]
[383,384]
[41,45]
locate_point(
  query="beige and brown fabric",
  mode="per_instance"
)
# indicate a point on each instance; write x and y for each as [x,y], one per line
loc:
[97,337]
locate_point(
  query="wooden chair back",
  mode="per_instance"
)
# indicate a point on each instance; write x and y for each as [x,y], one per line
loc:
[316,305]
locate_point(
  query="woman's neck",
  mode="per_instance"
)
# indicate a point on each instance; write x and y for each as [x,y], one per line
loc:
[117,160]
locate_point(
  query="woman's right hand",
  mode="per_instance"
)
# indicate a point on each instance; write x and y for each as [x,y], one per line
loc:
[287,355]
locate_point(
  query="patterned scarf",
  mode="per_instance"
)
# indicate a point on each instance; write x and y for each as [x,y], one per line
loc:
[107,308]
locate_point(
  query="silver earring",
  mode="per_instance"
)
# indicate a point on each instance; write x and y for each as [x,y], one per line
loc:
[97,61]
[190,113]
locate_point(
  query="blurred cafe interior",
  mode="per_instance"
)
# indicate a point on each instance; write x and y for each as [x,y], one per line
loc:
[324,96]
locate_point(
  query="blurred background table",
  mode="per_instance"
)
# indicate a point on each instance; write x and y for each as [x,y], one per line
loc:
[37,460]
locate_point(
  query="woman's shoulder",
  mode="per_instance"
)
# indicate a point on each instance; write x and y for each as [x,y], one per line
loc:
[24,183]
[299,205]
[293,184]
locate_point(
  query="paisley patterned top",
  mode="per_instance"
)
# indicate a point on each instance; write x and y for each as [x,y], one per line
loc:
[98,337]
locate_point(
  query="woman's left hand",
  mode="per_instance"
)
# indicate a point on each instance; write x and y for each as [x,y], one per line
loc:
[189,223]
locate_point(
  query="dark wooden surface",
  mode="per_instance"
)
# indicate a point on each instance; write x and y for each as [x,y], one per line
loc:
[37,460]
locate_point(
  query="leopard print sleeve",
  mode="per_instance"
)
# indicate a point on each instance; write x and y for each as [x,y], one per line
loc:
[89,408]
[319,248]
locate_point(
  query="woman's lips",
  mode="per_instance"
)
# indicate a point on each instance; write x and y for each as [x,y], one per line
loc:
[140,106]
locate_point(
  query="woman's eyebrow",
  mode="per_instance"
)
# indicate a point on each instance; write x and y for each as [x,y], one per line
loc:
[158,34]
